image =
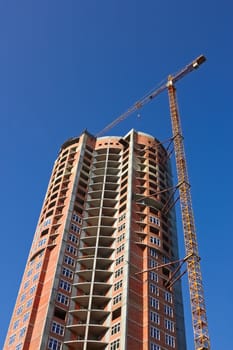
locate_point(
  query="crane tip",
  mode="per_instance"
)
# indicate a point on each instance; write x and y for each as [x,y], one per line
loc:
[198,61]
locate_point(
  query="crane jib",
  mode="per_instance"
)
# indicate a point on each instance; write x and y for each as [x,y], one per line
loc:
[150,96]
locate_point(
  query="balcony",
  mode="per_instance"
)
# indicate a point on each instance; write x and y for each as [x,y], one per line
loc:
[109,202]
[85,274]
[95,194]
[98,171]
[106,211]
[110,194]
[104,241]
[113,163]
[113,171]
[104,230]
[99,158]
[111,186]
[111,178]
[96,331]
[91,344]
[91,221]
[140,233]
[105,221]
[99,163]
[101,263]
[100,275]
[82,300]
[98,287]
[94,203]
[97,301]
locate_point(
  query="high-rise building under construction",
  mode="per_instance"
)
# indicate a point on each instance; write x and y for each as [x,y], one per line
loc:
[98,275]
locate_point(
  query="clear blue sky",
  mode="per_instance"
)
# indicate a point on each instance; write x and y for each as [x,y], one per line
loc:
[70,65]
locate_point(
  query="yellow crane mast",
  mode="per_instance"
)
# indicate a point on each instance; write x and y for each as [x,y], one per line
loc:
[197,301]
[198,309]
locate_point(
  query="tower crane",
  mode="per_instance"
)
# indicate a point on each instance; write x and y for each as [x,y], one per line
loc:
[196,290]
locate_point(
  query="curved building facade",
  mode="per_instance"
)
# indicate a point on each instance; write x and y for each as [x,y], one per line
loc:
[99,273]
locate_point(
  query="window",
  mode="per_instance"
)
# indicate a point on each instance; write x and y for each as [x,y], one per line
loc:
[120,259]
[121,227]
[122,217]
[116,328]
[22,332]
[66,272]
[71,249]
[154,276]
[32,290]
[153,252]
[154,317]
[65,285]
[121,237]
[75,228]
[120,248]
[169,325]
[42,242]
[57,328]
[155,240]
[76,218]
[154,346]
[168,297]
[154,303]
[154,220]
[73,238]
[155,333]
[29,303]
[154,289]
[12,339]
[19,310]
[26,284]
[23,297]
[54,344]
[47,222]
[35,277]
[68,260]
[26,316]
[115,345]
[38,265]
[165,259]
[63,299]
[152,263]
[168,310]
[119,272]
[29,273]
[169,340]
[117,299]
[16,324]
[19,346]
[117,285]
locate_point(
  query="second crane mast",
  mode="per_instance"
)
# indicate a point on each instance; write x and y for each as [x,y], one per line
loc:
[198,309]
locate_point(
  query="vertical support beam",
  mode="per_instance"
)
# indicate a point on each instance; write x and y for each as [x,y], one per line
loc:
[198,309]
